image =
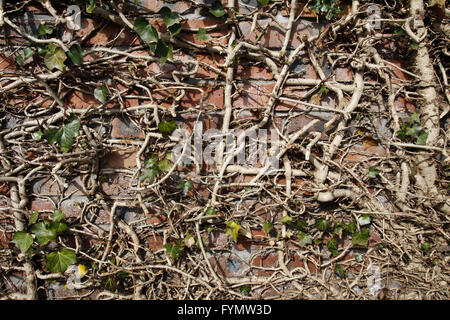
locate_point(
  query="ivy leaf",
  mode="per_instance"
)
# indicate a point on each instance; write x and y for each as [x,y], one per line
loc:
[426,247]
[174,29]
[401,135]
[339,271]
[27,53]
[332,246]
[415,117]
[151,162]
[75,54]
[414,130]
[19,60]
[373,172]
[90,6]
[422,138]
[165,165]
[37,135]
[167,127]
[23,240]
[217,9]
[185,186]
[101,93]
[58,227]
[33,218]
[202,35]
[189,240]
[414,45]
[323,225]
[300,224]
[305,239]
[351,227]
[364,220]
[44,30]
[55,58]
[361,238]
[58,215]
[145,31]
[65,134]
[286,219]
[173,251]
[263,2]
[232,229]
[43,234]
[338,228]
[163,52]
[59,261]
[211,212]
[170,18]
[149,173]
[323,90]
[267,226]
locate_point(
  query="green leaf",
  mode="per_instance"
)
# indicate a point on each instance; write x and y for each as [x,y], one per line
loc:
[173,251]
[305,239]
[406,258]
[300,224]
[170,18]
[65,134]
[27,53]
[351,227]
[399,31]
[43,234]
[90,6]
[33,218]
[167,127]
[426,247]
[415,117]
[165,165]
[401,135]
[339,271]
[323,225]
[245,290]
[263,2]
[189,240]
[145,31]
[338,228]
[364,220]
[217,9]
[286,219]
[163,52]
[23,240]
[75,54]
[19,60]
[58,215]
[332,246]
[267,226]
[211,212]
[152,161]
[101,93]
[44,30]
[37,135]
[185,186]
[55,58]
[414,130]
[202,35]
[174,29]
[149,173]
[323,90]
[414,45]
[59,261]
[422,138]
[58,227]
[232,229]
[361,238]
[373,172]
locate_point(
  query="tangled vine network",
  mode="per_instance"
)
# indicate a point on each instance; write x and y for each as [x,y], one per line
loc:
[357,209]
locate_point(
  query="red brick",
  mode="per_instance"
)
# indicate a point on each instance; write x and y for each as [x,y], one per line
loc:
[253,95]
[274,37]
[248,70]
[265,260]
[155,243]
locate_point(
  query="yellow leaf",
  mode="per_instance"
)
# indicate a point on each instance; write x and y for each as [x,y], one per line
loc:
[233,230]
